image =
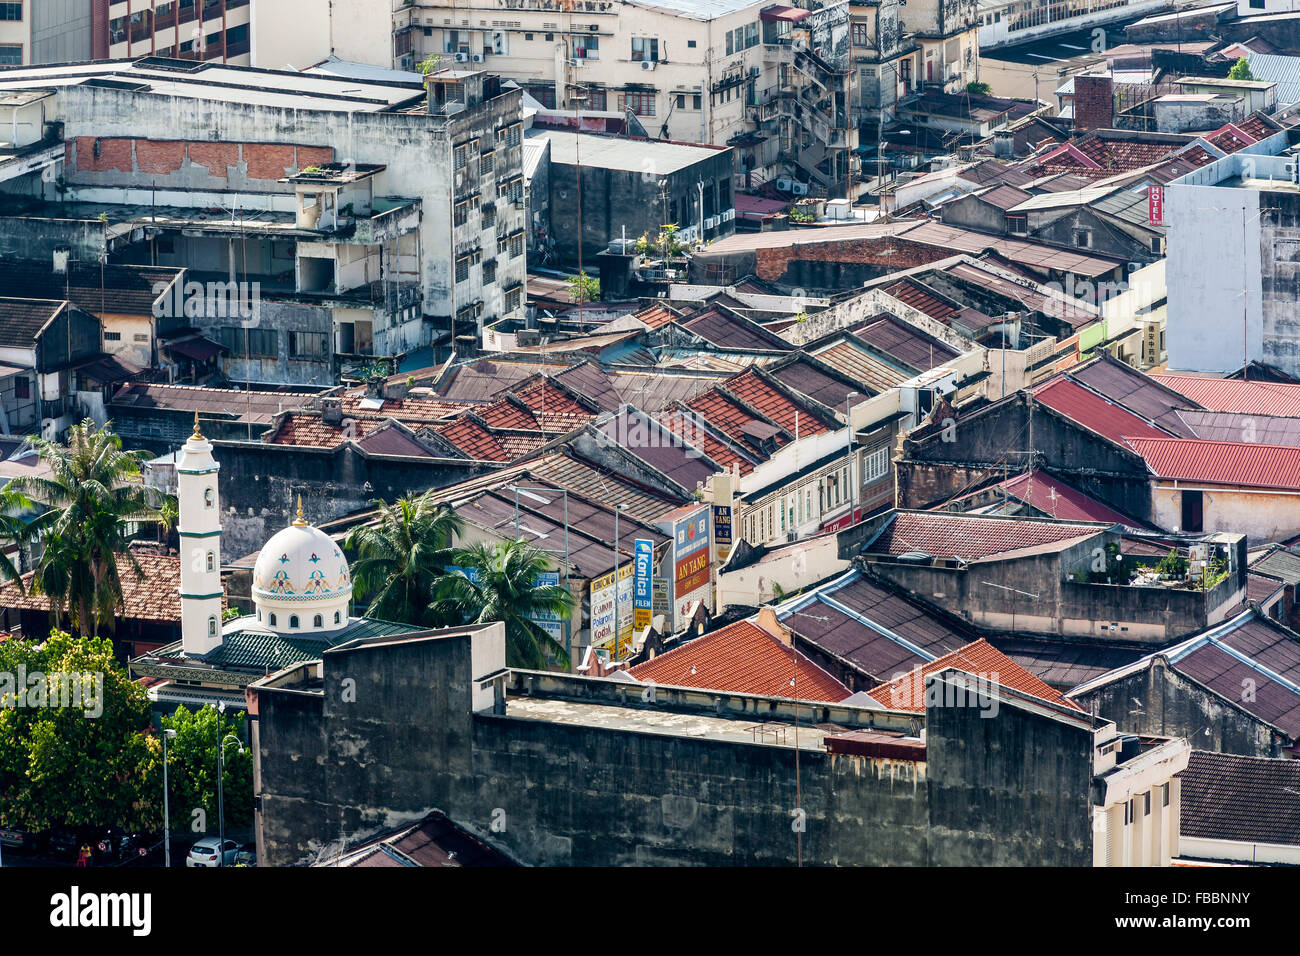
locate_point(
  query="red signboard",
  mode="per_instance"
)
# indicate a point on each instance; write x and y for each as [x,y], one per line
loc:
[692,573]
[1156,205]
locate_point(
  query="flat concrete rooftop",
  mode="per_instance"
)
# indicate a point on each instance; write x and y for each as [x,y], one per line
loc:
[671,723]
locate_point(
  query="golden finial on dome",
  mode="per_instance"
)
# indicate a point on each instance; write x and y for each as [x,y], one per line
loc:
[300,521]
[198,435]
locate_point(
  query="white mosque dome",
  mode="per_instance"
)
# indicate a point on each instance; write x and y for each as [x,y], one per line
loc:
[301,582]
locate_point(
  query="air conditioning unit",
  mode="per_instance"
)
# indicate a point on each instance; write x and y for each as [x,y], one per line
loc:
[462,57]
[648,64]
[799,189]
[577,61]
[478,57]
[711,222]
[784,184]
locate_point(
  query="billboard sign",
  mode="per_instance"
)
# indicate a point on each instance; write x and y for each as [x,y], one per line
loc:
[642,597]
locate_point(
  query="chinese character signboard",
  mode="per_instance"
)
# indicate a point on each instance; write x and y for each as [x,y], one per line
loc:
[692,573]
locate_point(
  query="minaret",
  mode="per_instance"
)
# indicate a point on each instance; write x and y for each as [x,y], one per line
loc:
[200,533]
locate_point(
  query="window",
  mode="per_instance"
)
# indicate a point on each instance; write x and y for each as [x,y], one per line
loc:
[691,44]
[516,245]
[485,163]
[11,11]
[1146,804]
[22,387]
[597,99]
[259,342]
[860,35]
[1193,507]
[512,300]
[1166,790]
[312,345]
[273,619]
[337,619]
[141,337]
[211,562]
[209,497]
[1257,4]
[11,54]
[1083,238]
[730,50]
[489,271]
[462,269]
[511,190]
[511,135]
[527,36]
[293,621]
[462,209]
[646,48]
[640,102]
[488,213]
[462,155]
[112,336]
[876,464]
[212,625]
[318,621]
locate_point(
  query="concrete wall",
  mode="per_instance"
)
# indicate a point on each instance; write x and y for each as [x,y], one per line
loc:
[1171,705]
[332,767]
[940,463]
[614,200]
[1262,516]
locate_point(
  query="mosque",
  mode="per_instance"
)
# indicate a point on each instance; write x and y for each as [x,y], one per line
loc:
[301,591]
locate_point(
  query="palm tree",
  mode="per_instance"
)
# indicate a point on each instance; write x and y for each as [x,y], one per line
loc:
[13,530]
[400,555]
[92,494]
[168,514]
[499,583]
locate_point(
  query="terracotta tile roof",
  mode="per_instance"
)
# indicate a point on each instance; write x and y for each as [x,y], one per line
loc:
[504,413]
[1093,411]
[474,440]
[1239,464]
[943,535]
[1256,126]
[305,429]
[921,299]
[155,597]
[655,317]
[1234,395]
[676,422]
[729,418]
[742,658]
[980,659]
[403,409]
[759,395]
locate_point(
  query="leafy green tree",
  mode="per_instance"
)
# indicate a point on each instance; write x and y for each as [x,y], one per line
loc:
[978,88]
[583,288]
[70,763]
[1241,70]
[192,768]
[499,583]
[429,64]
[401,555]
[92,494]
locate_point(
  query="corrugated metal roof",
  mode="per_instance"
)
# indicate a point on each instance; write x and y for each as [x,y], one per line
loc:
[1245,799]
[943,535]
[1234,395]
[1238,464]
[1094,412]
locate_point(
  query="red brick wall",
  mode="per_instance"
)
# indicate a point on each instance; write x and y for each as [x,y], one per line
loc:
[162,157]
[891,254]
[159,156]
[214,157]
[267,161]
[1094,102]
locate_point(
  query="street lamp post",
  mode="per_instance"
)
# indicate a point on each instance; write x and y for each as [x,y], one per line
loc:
[168,733]
[221,770]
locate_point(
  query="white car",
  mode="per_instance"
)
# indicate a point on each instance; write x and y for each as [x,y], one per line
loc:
[204,853]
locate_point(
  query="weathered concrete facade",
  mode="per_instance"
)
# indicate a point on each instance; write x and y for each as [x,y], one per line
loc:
[1011,788]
